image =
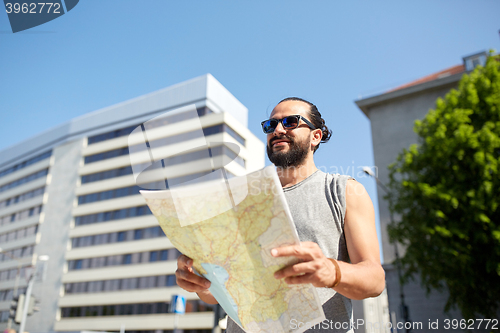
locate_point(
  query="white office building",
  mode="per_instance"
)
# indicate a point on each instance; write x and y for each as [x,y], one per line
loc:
[69,193]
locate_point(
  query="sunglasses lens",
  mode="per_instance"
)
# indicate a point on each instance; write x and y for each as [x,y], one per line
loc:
[269,126]
[290,122]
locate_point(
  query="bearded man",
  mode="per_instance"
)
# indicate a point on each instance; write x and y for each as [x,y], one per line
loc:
[333,214]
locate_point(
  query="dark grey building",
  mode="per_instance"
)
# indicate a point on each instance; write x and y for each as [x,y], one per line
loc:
[392,115]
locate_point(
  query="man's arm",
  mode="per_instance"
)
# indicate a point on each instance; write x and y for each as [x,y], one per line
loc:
[364,276]
[189,281]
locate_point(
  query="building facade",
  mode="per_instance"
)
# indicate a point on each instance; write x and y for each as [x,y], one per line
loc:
[70,193]
[392,115]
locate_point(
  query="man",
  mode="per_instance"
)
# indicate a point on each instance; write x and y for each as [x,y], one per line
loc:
[333,214]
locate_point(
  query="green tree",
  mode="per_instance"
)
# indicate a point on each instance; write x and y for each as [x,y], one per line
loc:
[446,191]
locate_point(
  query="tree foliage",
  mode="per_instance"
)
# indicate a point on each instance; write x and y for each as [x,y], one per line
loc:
[446,190]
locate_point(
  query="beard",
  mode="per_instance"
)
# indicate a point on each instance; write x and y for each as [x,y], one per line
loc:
[295,156]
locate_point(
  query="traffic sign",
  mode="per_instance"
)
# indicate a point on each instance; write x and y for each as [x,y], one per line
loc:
[178,304]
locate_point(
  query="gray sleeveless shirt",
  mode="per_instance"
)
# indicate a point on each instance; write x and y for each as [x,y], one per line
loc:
[317,205]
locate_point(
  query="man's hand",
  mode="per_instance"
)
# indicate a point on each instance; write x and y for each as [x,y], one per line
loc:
[186,278]
[314,267]
[189,281]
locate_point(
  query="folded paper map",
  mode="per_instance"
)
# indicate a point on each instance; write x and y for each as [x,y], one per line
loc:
[228,228]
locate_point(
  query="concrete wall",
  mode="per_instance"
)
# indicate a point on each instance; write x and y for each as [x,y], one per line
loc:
[392,130]
[423,308]
[392,122]
[54,232]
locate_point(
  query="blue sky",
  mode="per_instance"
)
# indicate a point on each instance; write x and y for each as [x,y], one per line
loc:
[330,52]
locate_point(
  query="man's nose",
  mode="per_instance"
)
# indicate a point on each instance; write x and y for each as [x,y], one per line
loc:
[279,129]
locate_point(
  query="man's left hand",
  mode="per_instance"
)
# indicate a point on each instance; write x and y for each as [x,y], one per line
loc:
[314,267]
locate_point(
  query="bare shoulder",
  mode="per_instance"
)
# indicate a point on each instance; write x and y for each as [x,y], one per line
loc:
[356,194]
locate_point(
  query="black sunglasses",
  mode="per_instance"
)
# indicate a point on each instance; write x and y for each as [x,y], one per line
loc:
[289,123]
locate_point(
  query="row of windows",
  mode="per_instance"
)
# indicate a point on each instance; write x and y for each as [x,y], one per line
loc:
[112,215]
[144,282]
[95,177]
[8,294]
[22,197]
[21,215]
[233,156]
[131,309]
[124,259]
[235,135]
[110,135]
[26,163]
[128,171]
[106,155]
[208,176]
[10,274]
[115,237]
[131,190]
[157,143]
[18,234]
[24,180]
[126,131]
[20,252]
[110,194]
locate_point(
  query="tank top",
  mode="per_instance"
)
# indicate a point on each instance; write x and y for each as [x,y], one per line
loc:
[317,205]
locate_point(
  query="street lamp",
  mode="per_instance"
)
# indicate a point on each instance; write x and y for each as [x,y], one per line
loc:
[31,282]
[404,308]
[16,284]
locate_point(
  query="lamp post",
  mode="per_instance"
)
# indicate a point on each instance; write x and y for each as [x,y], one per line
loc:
[16,284]
[31,282]
[404,308]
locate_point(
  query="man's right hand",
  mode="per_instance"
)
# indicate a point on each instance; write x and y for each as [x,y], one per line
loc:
[189,281]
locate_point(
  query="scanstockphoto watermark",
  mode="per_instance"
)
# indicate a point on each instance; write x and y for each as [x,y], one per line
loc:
[446,324]
[26,14]
[329,325]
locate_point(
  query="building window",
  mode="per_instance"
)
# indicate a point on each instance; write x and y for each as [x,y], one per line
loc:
[121,236]
[20,215]
[7,294]
[235,135]
[167,141]
[123,259]
[127,259]
[94,177]
[20,252]
[126,131]
[131,309]
[10,274]
[22,197]
[26,163]
[112,215]
[110,194]
[474,60]
[145,282]
[24,180]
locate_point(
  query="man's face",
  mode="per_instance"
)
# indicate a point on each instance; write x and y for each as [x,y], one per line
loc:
[289,148]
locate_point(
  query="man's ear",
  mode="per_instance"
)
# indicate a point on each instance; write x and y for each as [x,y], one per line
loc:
[317,135]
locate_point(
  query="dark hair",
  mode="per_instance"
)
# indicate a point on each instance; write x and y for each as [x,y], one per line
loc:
[315,118]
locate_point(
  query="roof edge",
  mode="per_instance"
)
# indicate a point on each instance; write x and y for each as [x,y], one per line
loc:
[366,103]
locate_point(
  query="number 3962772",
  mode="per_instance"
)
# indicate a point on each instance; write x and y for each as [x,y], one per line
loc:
[33,8]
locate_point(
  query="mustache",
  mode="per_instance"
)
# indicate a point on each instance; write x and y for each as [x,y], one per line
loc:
[282,137]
